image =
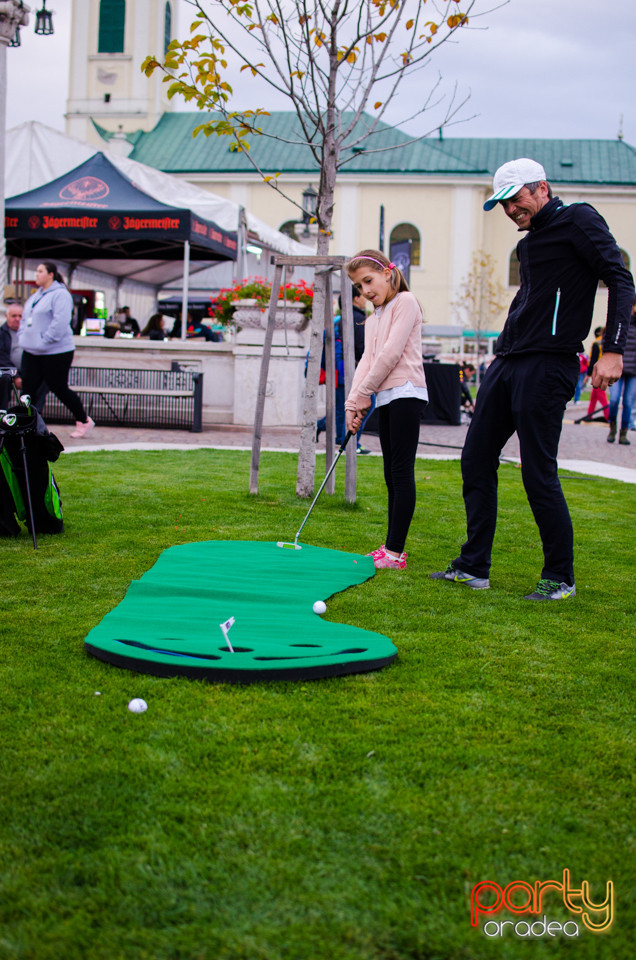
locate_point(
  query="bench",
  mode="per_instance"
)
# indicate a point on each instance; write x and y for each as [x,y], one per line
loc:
[134,398]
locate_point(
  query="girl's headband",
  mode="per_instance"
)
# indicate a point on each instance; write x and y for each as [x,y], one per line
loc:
[390,266]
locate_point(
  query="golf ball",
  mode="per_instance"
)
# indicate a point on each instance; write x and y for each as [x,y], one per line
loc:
[137,705]
[320,606]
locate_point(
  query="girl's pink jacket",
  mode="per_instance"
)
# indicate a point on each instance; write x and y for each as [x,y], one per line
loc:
[392,351]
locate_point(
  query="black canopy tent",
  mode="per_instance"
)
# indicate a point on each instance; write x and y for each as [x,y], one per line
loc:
[95,213]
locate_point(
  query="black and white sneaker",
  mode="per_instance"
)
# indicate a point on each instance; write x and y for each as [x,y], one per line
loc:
[551,590]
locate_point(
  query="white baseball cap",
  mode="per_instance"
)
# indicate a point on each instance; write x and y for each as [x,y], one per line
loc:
[511,177]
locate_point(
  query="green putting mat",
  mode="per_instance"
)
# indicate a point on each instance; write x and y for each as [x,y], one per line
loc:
[168,624]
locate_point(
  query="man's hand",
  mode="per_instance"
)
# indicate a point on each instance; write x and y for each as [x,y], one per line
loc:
[607,370]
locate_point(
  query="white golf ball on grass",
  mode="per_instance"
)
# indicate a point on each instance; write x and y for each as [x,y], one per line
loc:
[137,705]
[320,607]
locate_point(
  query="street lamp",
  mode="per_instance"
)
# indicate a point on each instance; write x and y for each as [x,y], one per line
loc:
[44,21]
[310,204]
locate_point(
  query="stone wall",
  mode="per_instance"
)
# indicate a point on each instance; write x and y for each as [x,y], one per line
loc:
[231,370]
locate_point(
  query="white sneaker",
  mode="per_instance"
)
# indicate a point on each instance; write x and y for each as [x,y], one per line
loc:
[83,429]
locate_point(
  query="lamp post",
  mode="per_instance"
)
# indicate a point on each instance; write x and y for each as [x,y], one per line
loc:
[13,15]
[310,204]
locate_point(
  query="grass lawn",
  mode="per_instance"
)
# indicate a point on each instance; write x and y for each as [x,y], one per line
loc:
[343,819]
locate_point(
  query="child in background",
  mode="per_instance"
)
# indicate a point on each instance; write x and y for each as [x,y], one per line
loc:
[391,367]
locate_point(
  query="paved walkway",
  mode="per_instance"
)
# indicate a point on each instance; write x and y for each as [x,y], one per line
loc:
[583,447]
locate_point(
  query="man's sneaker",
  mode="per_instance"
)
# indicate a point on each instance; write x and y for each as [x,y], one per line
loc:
[387,562]
[362,451]
[376,554]
[83,429]
[458,576]
[551,590]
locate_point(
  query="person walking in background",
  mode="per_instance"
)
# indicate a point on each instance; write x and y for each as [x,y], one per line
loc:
[391,368]
[580,383]
[339,389]
[565,251]
[47,343]
[597,395]
[625,386]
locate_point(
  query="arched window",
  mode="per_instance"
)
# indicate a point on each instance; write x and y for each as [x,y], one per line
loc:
[167,28]
[514,270]
[407,233]
[289,229]
[112,21]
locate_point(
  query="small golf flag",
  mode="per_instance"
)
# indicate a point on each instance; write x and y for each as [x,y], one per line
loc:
[225,629]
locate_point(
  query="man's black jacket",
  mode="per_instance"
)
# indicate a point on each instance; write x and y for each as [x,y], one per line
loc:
[562,257]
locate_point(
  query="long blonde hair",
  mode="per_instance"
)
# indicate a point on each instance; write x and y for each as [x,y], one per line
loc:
[378,262]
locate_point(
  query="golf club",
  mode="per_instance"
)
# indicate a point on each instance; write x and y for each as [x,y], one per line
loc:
[294,545]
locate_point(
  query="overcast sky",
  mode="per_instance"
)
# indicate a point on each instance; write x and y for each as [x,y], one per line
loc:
[542,68]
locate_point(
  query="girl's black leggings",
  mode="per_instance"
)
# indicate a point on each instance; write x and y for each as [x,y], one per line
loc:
[399,429]
[52,368]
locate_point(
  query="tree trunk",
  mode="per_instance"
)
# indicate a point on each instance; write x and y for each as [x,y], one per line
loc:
[324,214]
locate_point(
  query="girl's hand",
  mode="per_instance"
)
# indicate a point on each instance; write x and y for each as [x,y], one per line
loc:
[354,419]
[350,418]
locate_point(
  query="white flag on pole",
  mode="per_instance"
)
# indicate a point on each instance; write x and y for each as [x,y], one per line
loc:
[225,629]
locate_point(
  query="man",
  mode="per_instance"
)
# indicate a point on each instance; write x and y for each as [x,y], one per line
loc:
[565,252]
[128,324]
[10,352]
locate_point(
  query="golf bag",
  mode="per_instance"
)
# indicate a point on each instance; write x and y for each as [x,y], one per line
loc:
[26,450]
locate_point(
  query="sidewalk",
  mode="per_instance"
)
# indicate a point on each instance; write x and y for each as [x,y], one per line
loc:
[583,446]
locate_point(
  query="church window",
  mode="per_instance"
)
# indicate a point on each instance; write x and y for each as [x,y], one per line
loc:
[167,28]
[112,21]
[406,233]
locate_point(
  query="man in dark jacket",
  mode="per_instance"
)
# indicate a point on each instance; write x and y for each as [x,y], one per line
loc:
[565,252]
[10,352]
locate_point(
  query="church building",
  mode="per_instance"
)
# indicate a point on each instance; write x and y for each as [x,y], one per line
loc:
[420,201]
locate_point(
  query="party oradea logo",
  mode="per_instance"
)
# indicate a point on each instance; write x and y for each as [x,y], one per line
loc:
[532,901]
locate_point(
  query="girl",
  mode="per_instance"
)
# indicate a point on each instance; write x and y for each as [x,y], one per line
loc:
[46,338]
[391,367]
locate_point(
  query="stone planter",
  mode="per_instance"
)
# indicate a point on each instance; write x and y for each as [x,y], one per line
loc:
[251,320]
[286,377]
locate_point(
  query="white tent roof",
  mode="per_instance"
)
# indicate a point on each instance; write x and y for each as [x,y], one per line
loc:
[37,154]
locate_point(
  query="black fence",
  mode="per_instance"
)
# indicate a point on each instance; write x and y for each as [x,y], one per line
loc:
[134,398]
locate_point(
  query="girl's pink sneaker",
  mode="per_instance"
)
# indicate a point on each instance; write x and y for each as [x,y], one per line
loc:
[388,562]
[82,429]
[376,554]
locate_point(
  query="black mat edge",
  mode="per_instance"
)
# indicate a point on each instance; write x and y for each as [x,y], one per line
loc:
[224,675]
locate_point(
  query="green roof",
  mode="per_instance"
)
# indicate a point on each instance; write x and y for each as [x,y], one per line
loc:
[171,147]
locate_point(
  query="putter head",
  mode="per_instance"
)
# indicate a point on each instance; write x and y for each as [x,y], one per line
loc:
[288,546]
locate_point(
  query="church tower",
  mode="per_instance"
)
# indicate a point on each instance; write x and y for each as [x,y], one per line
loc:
[110,39]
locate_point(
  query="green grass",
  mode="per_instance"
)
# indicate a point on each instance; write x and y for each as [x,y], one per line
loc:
[342,819]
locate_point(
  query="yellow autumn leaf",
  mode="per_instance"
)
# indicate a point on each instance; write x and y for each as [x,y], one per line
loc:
[376,106]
